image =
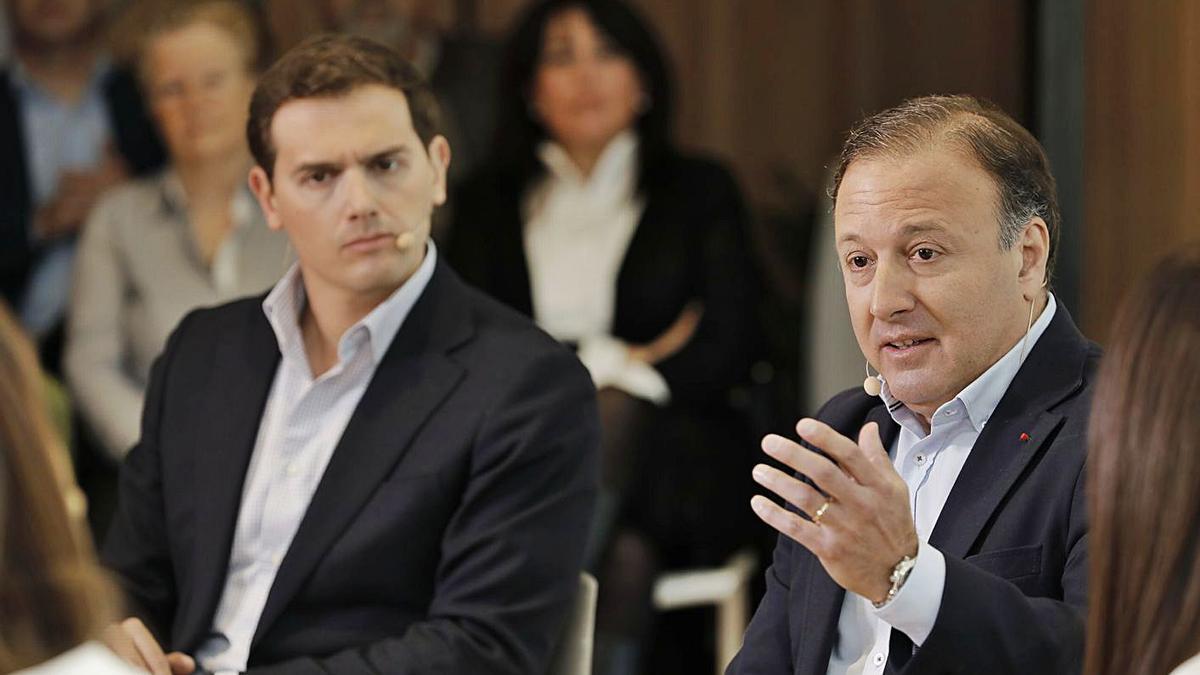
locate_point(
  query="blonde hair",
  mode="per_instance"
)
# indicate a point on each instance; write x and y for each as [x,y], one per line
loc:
[53,595]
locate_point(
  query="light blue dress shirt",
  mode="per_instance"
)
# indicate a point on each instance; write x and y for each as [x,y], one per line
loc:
[59,136]
[301,425]
[929,462]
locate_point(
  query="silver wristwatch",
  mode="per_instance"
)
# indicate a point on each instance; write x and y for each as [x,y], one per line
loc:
[899,575]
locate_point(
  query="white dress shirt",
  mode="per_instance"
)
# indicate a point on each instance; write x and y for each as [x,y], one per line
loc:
[576,232]
[302,422]
[929,462]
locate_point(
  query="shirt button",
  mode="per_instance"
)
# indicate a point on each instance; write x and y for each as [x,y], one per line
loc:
[276,559]
[952,411]
[919,459]
[878,659]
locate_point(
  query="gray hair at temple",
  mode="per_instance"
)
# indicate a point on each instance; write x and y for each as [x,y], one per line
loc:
[1001,147]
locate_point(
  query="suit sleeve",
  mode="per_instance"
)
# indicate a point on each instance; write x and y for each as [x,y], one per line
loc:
[136,548]
[720,352]
[513,550]
[987,625]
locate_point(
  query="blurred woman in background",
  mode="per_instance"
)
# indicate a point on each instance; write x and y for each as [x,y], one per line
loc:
[1144,444]
[188,237]
[590,221]
[54,599]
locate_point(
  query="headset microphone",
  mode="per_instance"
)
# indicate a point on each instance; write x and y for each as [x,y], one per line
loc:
[405,240]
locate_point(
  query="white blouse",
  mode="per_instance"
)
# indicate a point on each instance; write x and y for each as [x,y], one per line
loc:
[576,231]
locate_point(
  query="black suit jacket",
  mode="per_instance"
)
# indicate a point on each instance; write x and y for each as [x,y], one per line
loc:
[446,534]
[1013,532]
[136,142]
[690,244]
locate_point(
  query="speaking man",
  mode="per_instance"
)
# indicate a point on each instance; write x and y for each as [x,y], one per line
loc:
[935,522]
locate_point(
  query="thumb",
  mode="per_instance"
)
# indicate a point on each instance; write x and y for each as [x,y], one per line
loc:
[181,664]
[870,442]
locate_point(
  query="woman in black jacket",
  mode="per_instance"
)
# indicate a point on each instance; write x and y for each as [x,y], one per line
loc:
[591,222]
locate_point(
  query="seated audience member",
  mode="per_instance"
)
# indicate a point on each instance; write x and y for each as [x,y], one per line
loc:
[936,521]
[591,222]
[373,468]
[54,599]
[187,237]
[1144,499]
[75,126]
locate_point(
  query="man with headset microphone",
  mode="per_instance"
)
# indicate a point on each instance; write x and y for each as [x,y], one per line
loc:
[373,468]
[935,519]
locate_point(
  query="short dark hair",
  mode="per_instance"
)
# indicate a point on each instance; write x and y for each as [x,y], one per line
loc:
[1001,146]
[328,66]
[519,133]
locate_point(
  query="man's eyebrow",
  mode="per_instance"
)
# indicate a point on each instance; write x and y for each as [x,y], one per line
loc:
[388,152]
[907,230]
[315,167]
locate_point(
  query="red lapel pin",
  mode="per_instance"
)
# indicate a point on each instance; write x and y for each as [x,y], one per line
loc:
[1024,437]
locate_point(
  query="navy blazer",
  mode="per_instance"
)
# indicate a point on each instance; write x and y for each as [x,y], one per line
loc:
[447,532]
[1013,532]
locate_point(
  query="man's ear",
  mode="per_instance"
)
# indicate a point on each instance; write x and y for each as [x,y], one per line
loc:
[439,156]
[1034,245]
[264,192]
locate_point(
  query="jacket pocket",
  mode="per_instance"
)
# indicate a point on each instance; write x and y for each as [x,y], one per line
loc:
[1010,563]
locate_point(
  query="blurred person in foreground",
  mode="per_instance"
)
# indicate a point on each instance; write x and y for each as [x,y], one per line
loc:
[1144,499]
[54,599]
[373,468]
[72,125]
[936,519]
[189,236]
[592,222]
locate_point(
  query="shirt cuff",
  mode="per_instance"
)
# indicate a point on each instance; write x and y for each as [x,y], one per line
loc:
[607,359]
[914,610]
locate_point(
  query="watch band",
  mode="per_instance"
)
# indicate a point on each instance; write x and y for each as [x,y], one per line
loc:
[899,575]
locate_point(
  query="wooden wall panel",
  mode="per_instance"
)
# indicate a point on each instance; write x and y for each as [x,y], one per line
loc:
[772,85]
[1142,145]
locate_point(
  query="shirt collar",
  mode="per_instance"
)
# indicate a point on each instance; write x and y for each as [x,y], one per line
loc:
[981,396]
[286,300]
[615,168]
[242,209]
[25,83]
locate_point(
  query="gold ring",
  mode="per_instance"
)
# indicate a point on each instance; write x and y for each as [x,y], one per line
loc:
[816,517]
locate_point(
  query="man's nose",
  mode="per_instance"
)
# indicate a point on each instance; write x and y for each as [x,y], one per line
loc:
[358,195]
[891,290]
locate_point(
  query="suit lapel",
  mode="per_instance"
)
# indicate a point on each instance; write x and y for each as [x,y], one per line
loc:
[410,383]
[232,420]
[1023,422]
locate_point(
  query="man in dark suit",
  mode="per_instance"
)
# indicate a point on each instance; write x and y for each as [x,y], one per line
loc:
[938,528]
[375,468]
[72,125]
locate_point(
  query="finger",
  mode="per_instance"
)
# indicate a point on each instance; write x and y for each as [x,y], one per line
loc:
[871,445]
[121,644]
[843,450]
[181,664]
[827,475]
[147,646]
[785,522]
[795,492]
